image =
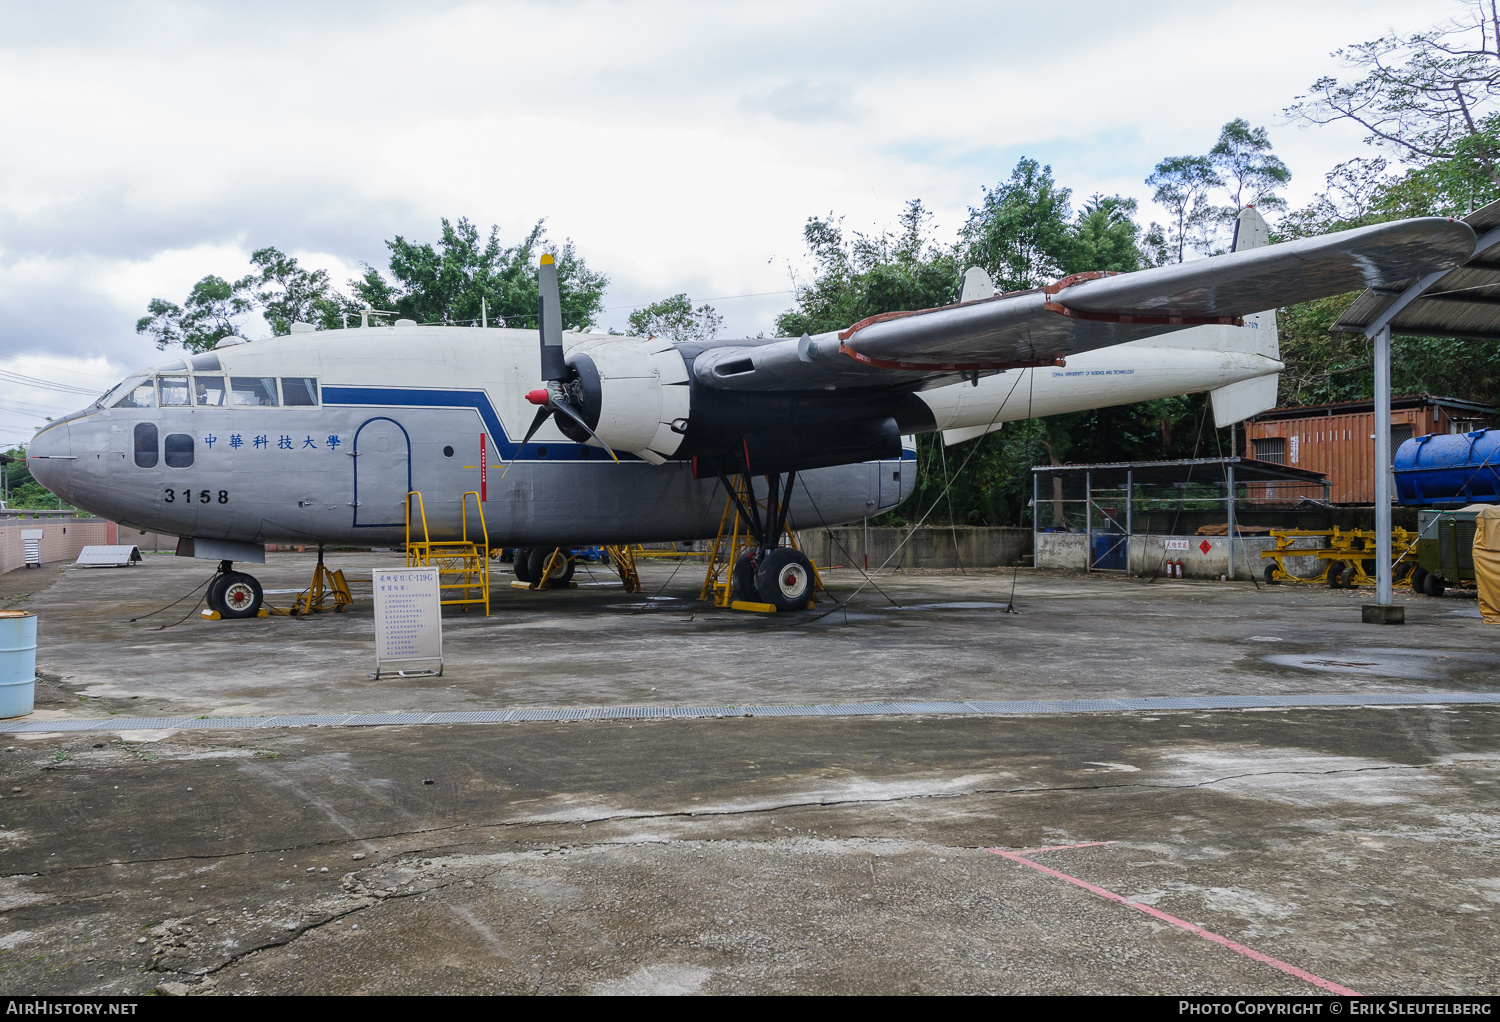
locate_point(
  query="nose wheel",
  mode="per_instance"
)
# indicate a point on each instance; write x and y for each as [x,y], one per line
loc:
[235,594]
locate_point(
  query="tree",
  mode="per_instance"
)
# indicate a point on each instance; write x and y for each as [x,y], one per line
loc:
[1244,162]
[1182,185]
[1019,233]
[286,293]
[216,308]
[461,278]
[210,313]
[1103,236]
[1425,97]
[867,274]
[675,319]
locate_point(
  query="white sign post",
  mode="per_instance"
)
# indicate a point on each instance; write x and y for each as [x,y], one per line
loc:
[408,620]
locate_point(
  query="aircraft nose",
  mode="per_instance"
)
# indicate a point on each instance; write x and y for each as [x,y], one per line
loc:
[49,458]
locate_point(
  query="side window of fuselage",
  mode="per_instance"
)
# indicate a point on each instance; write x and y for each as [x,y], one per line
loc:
[299,391]
[209,391]
[174,392]
[145,445]
[253,391]
[178,450]
[142,395]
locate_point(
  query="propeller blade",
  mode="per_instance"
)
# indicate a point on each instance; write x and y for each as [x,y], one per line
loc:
[568,411]
[536,424]
[549,321]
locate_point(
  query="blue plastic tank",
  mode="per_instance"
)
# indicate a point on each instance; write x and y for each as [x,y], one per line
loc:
[1449,469]
[1109,551]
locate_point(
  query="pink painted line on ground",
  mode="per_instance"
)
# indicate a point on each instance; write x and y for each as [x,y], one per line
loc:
[1155,913]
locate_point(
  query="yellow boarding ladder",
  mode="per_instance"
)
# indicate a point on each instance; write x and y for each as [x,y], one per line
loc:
[462,564]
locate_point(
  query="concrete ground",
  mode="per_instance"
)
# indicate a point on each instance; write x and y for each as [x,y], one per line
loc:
[828,854]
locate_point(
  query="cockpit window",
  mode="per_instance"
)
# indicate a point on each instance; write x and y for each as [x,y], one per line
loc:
[174,391]
[138,394]
[176,367]
[178,450]
[255,391]
[207,362]
[209,390]
[299,390]
[145,445]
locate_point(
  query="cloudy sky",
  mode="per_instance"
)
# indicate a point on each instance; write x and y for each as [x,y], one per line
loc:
[680,145]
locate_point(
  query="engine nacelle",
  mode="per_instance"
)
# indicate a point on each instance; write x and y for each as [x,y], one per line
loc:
[633,393]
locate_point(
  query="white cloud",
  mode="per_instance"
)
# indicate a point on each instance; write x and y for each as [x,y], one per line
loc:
[681,145]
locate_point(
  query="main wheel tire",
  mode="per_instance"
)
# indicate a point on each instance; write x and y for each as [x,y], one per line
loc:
[785,579]
[1270,574]
[1418,579]
[1434,585]
[742,579]
[1347,578]
[241,596]
[522,565]
[215,596]
[537,565]
[1335,574]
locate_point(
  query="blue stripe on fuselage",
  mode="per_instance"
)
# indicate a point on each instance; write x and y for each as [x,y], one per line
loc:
[479,401]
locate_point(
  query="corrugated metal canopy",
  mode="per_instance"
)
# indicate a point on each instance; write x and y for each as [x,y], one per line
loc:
[1464,302]
[1188,470]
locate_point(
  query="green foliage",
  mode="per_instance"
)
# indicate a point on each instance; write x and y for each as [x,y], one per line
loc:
[1422,96]
[286,293]
[215,308]
[675,319]
[1103,237]
[867,274]
[1020,234]
[446,283]
[207,316]
[462,276]
[1247,167]
[1182,185]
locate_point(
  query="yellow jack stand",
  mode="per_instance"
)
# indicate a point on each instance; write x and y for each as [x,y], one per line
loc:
[622,560]
[325,585]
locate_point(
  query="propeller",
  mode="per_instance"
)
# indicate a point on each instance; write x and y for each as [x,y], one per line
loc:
[555,370]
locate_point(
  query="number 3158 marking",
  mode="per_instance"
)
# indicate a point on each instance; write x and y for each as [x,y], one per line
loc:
[203,497]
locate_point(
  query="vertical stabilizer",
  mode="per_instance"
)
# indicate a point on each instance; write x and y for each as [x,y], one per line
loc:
[1250,231]
[1238,401]
[977,285]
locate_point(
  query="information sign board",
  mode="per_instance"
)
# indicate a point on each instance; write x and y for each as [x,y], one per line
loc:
[408,619]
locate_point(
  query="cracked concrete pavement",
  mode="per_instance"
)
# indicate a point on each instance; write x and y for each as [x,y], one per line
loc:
[827,855]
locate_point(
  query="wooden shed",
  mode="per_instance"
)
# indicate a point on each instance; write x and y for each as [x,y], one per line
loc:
[1338,440]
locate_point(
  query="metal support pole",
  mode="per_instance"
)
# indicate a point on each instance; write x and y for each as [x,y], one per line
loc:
[1231,522]
[1088,520]
[1036,510]
[1129,514]
[1383,466]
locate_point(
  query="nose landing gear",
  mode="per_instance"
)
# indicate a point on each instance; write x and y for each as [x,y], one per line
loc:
[234,594]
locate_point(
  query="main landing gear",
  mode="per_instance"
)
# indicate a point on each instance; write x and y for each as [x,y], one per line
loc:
[234,594]
[764,575]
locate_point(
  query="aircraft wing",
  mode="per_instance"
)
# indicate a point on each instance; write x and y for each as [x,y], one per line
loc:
[1084,312]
